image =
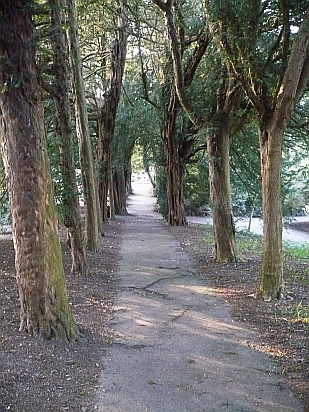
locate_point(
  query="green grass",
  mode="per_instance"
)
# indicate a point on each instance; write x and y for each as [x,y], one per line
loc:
[298,313]
[249,242]
[208,238]
[297,274]
[297,250]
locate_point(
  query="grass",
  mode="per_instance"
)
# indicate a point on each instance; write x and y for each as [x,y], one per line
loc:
[298,313]
[297,250]
[249,242]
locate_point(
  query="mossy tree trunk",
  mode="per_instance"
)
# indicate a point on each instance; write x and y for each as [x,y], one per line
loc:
[60,94]
[92,223]
[45,310]
[272,282]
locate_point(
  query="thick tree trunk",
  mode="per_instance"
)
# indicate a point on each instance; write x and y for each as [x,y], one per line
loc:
[220,197]
[92,222]
[45,310]
[174,185]
[120,192]
[174,167]
[70,197]
[272,283]
[104,160]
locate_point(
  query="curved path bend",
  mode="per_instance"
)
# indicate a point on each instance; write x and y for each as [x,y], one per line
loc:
[176,347]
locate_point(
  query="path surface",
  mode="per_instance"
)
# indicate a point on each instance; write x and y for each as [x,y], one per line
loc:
[177,348]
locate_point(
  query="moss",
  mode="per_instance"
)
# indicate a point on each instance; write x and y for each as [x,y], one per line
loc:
[60,321]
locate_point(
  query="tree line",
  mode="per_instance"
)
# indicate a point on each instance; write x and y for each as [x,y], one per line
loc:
[83,83]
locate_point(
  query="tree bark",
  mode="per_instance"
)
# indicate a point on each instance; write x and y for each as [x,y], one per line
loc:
[120,191]
[272,282]
[70,197]
[174,166]
[92,223]
[218,145]
[224,121]
[45,310]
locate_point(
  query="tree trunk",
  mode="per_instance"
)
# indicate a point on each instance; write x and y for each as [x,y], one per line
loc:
[272,283]
[218,145]
[105,162]
[120,190]
[174,167]
[271,136]
[107,118]
[45,310]
[70,197]
[85,147]
[174,185]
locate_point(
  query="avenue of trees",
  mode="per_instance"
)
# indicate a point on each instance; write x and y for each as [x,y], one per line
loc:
[212,94]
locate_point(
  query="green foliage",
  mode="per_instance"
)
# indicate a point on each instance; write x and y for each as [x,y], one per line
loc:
[248,242]
[137,159]
[196,187]
[208,236]
[295,162]
[298,312]
[245,171]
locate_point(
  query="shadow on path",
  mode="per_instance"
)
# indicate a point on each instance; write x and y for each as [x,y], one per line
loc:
[176,347]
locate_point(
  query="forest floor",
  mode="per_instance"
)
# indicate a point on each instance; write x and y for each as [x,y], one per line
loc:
[51,376]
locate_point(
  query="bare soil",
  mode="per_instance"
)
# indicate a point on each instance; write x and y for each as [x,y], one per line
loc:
[51,376]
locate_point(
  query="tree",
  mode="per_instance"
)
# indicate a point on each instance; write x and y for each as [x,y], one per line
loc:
[219,123]
[273,73]
[60,94]
[179,74]
[93,221]
[45,310]
[108,110]
[223,122]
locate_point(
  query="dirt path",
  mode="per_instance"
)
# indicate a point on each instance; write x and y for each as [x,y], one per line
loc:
[176,347]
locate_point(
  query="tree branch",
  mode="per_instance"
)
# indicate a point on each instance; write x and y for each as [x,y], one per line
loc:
[196,58]
[296,74]
[166,8]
